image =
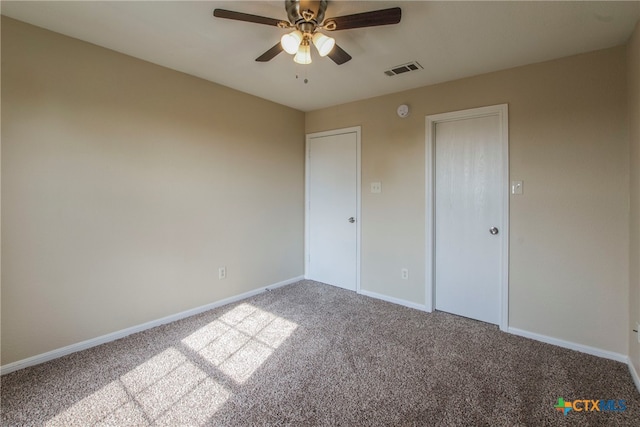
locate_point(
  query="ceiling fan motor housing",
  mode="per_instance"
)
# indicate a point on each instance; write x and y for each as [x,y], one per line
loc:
[305,12]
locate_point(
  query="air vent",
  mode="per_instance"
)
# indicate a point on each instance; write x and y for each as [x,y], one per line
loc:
[403,68]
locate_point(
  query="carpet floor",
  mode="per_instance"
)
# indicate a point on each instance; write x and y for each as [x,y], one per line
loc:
[313,354]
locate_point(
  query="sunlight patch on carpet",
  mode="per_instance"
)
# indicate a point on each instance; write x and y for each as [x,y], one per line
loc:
[203,336]
[196,407]
[164,389]
[241,340]
[94,407]
[153,370]
[161,395]
[170,389]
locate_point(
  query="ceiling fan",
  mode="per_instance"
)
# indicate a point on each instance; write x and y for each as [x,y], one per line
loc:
[306,18]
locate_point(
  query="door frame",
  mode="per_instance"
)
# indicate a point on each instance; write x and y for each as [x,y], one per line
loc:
[502,111]
[357,130]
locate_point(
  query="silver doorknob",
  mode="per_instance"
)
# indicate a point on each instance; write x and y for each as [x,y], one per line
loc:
[352,220]
[493,230]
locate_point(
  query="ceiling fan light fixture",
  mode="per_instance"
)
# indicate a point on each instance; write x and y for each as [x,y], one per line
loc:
[323,43]
[291,42]
[304,54]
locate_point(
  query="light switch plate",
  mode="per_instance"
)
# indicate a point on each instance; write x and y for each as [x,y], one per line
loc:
[516,187]
[376,187]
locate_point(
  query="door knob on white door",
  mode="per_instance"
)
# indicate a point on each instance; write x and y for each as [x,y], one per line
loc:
[493,230]
[352,220]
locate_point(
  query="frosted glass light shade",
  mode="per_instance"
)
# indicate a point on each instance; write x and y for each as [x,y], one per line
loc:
[304,55]
[290,42]
[323,43]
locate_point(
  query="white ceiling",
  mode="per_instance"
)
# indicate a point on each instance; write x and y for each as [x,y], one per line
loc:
[450,40]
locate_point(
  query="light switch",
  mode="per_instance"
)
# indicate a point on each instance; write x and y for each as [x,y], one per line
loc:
[516,187]
[376,187]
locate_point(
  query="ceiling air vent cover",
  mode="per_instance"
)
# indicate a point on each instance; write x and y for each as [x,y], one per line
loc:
[403,68]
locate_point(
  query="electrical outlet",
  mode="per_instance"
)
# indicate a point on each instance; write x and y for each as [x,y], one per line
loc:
[222,273]
[404,273]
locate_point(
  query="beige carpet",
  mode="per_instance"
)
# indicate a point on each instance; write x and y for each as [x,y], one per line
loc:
[312,354]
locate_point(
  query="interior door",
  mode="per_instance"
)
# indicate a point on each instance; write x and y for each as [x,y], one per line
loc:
[332,208]
[469,217]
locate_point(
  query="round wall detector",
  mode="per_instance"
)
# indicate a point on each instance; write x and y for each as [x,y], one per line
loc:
[403,111]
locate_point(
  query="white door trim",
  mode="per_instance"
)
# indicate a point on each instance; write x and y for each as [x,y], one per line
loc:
[309,136]
[503,114]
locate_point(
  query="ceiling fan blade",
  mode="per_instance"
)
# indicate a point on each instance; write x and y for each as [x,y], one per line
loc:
[338,55]
[367,19]
[239,16]
[270,54]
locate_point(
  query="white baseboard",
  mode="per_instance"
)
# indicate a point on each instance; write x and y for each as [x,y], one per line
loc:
[594,351]
[393,300]
[634,374]
[54,354]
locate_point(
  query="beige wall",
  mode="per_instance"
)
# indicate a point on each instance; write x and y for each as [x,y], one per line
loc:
[569,231]
[633,82]
[126,185]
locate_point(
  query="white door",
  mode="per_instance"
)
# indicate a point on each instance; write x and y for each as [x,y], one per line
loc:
[332,220]
[469,221]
